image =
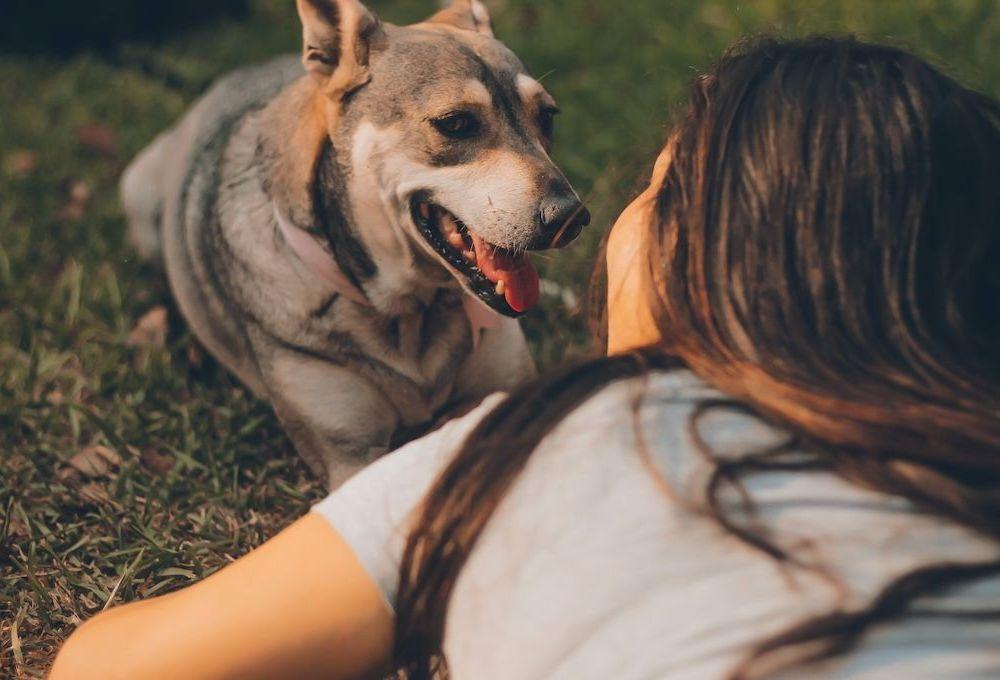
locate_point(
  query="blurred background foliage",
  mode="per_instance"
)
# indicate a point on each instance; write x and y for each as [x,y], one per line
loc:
[130,464]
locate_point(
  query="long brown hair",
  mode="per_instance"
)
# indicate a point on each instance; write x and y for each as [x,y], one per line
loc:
[827,253]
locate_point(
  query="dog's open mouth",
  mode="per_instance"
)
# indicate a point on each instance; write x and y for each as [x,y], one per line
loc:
[504,280]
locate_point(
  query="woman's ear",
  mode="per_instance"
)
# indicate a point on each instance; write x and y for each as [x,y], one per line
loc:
[469,15]
[338,36]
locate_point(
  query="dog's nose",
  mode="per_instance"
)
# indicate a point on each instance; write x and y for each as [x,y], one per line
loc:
[562,218]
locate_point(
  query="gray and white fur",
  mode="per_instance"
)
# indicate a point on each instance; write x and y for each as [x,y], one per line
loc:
[347,149]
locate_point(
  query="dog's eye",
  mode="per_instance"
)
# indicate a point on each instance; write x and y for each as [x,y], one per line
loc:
[458,125]
[547,121]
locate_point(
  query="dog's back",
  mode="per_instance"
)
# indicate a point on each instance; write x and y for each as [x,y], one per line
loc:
[179,173]
[153,184]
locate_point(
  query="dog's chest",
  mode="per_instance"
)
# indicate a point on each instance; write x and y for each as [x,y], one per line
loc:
[415,359]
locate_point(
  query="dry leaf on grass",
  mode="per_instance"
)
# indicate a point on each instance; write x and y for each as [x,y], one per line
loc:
[15,641]
[17,528]
[95,493]
[156,462]
[195,355]
[76,206]
[94,461]
[20,162]
[151,330]
[97,138]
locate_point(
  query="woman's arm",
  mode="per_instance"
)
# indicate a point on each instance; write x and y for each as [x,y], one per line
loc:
[300,606]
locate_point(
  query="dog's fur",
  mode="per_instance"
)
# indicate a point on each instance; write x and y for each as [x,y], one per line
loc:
[342,150]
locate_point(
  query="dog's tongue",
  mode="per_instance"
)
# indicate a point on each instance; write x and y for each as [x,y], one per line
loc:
[519,276]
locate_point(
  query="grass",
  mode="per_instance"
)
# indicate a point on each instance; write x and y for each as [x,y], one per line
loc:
[130,464]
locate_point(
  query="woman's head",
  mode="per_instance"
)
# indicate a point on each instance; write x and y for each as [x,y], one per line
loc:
[823,187]
[820,240]
[822,235]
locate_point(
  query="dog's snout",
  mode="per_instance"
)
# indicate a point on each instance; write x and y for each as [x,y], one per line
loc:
[562,218]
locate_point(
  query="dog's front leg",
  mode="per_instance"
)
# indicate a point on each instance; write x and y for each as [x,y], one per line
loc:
[500,363]
[338,421]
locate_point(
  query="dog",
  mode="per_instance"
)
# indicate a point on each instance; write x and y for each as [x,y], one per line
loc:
[349,238]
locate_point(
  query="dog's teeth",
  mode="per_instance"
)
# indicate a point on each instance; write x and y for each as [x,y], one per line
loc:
[448,224]
[470,255]
[501,287]
[425,211]
[456,240]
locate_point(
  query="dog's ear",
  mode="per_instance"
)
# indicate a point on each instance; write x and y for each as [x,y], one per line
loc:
[470,15]
[338,38]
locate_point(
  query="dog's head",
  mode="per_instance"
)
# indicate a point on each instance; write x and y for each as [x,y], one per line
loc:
[442,138]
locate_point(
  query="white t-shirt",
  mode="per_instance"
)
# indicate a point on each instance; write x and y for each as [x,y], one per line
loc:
[589,570]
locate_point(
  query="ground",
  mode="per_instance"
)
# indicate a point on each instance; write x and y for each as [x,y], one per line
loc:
[132,465]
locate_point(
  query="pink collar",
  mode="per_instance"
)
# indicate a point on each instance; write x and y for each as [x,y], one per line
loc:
[318,259]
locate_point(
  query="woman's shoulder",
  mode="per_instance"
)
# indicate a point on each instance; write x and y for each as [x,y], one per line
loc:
[658,393]
[678,386]
[670,415]
[590,550]
[661,394]
[371,511]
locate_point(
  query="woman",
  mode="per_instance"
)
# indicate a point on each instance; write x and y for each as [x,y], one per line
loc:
[788,464]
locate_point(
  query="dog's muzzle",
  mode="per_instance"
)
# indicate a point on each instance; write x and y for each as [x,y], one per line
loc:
[561,219]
